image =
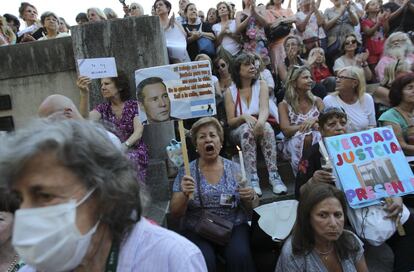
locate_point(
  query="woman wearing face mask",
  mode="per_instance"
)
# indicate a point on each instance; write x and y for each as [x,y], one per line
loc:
[319,241]
[9,259]
[81,205]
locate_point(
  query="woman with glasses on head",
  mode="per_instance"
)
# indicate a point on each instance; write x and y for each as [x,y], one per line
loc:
[350,95]
[350,56]
[249,112]
[299,113]
[134,9]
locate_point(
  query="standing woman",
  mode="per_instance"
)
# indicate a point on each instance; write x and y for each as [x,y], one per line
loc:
[227,38]
[96,15]
[212,16]
[251,22]
[248,111]
[299,113]
[33,30]
[350,95]
[121,112]
[275,15]
[50,22]
[175,35]
[195,30]
[339,21]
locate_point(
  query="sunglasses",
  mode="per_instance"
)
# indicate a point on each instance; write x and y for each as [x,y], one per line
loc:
[294,68]
[221,65]
[351,42]
[345,77]
[134,7]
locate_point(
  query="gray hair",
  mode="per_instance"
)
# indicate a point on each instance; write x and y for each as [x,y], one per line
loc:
[85,149]
[98,12]
[409,45]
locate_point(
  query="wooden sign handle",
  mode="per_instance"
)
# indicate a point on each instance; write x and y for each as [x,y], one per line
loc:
[184,151]
[400,228]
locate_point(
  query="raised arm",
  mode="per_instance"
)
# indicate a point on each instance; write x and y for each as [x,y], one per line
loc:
[83,84]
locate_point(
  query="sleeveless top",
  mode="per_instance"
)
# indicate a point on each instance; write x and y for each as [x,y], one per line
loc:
[299,118]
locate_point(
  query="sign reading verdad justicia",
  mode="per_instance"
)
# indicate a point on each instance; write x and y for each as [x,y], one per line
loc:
[370,165]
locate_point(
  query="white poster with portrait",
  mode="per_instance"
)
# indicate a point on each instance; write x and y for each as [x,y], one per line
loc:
[176,91]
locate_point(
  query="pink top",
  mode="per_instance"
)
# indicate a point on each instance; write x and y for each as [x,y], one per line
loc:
[386,60]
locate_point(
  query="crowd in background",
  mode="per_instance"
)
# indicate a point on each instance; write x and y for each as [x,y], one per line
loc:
[283,80]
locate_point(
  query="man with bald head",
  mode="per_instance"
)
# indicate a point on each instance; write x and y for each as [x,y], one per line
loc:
[59,107]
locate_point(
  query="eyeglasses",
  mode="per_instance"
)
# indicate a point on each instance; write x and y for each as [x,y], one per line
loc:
[351,42]
[345,77]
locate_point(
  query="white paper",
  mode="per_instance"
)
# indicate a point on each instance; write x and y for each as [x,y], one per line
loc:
[97,67]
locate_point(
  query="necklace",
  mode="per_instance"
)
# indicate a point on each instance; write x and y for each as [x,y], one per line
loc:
[12,265]
[324,255]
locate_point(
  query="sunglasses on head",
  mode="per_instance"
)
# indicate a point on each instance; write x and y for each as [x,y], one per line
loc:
[345,77]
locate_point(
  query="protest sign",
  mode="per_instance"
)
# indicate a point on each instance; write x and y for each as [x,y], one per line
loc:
[180,91]
[370,166]
[97,67]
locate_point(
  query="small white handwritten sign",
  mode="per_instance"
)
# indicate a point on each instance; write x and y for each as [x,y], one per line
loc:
[97,68]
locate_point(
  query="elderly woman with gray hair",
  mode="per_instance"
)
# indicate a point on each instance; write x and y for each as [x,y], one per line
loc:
[80,205]
[50,22]
[216,186]
[96,15]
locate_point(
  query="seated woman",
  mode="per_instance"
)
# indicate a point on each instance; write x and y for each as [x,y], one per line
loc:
[320,71]
[80,204]
[318,241]
[351,58]
[292,46]
[332,122]
[196,30]
[175,35]
[9,259]
[392,71]
[299,113]
[249,111]
[120,112]
[400,116]
[227,38]
[50,23]
[214,178]
[264,74]
[350,95]
[222,71]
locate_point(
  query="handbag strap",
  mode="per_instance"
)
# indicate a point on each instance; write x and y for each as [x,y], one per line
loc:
[238,104]
[198,181]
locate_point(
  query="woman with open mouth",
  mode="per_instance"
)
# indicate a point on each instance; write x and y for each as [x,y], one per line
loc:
[214,186]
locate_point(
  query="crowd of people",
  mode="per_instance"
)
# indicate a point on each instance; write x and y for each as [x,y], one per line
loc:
[283,79]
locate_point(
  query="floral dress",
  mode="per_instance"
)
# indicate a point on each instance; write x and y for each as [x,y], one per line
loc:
[123,128]
[254,39]
[292,147]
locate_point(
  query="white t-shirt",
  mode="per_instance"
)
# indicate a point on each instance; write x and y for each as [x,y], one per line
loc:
[361,114]
[228,43]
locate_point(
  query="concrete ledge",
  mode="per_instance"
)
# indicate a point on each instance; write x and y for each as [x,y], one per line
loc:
[36,58]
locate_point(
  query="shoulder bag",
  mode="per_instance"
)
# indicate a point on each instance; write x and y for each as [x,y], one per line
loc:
[205,45]
[276,32]
[210,226]
[334,48]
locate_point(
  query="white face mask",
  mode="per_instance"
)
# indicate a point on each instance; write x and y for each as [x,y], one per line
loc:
[48,239]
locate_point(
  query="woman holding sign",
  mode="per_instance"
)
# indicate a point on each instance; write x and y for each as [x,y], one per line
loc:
[120,112]
[216,186]
[314,169]
[250,113]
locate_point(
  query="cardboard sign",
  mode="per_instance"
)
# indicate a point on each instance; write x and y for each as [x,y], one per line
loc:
[370,166]
[97,68]
[180,91]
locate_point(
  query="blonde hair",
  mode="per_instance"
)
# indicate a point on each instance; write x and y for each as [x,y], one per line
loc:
[291,95]
[312,57]
[392,69]
[203,122]
[358,74]
[98,12]
[139,7]
[7,31]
